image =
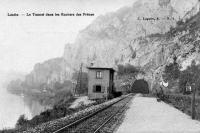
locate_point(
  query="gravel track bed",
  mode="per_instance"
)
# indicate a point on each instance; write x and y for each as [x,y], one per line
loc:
[54,125]
[92,123]
[115,122]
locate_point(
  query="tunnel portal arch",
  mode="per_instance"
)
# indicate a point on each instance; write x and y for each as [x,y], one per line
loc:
[140,86]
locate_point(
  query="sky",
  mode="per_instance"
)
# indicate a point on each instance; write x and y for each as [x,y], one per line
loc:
[27,40]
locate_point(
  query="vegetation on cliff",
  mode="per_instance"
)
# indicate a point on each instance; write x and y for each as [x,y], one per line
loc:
[127,69]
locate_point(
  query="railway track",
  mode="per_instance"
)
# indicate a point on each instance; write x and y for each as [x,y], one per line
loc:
[97,121]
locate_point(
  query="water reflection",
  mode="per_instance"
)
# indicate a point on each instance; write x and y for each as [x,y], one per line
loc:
[11,107]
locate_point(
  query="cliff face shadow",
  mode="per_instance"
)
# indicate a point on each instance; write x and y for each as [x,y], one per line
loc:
[140,86]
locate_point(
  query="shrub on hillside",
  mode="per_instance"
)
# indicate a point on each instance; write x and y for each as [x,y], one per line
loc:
[21,121]
[127,69]
[172,71]
[60,109]
[62,97]
[180,22]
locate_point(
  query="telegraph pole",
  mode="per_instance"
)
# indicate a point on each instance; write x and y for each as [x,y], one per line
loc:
[193,101]
[81,75]
[79,80]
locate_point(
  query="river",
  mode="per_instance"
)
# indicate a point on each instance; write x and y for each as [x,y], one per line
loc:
[11,107]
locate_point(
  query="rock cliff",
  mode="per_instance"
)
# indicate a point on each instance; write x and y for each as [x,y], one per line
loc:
[43,77]
[111,39]
[50,71]
[148,34]
[141,35]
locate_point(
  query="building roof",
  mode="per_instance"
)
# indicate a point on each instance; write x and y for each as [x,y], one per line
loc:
[102,68]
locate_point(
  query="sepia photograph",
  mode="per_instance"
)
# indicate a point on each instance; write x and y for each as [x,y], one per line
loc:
[100,66]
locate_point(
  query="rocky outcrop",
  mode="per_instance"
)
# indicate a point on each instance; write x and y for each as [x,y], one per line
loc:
[112,38]
[145,35]
[141,35]
[48,72]
[45,78]
[137,35]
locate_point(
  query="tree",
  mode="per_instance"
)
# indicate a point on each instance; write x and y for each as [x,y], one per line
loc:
[190,76]
[172,71]
[21,121]
[84,82]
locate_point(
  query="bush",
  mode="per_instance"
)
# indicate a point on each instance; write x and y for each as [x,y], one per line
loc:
[180,22]
[172,71]
[21,121]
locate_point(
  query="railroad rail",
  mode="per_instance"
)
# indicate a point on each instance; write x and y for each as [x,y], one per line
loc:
[95,122]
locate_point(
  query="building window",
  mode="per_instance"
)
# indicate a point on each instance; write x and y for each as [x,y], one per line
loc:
[97,88]
[99,75]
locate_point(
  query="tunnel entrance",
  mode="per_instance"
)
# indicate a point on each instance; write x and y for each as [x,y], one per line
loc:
[140,86]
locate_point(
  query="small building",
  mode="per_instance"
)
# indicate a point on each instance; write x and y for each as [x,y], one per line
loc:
[100,82]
